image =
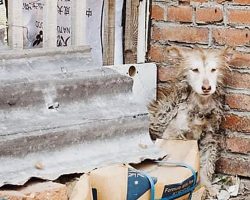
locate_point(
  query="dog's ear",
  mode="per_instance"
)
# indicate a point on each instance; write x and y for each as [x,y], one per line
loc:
[174,55]
[174,52]
[228,53]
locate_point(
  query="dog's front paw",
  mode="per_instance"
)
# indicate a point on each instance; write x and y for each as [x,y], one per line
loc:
[212,192]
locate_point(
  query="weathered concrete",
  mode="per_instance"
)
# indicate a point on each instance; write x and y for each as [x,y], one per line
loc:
[26,131]
[57,108]
[43,52]
[80,158]
[44,89]
[40,79]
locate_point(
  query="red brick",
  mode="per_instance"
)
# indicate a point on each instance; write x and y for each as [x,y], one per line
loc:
[240,61]
[238,101]
[160,54]
[239,16]
[238,145]
[233,166]
[179,14]
[157,12]
[157,53]
[38,191]
[236,79]
[231,37]
[180,34]
[208,15]
[241,2]
[166,74]
[236,123]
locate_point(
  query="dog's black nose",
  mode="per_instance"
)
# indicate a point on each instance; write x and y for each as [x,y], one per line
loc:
[206,88]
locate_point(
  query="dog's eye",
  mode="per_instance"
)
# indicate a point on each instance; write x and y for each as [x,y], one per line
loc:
[195,70]
[213,70]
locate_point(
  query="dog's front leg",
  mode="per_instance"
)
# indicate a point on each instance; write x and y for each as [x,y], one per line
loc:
[209,155]
[205,181]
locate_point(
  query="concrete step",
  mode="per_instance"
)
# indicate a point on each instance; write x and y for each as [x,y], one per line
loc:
[80,158]
[57,107]
[45,79]
[74,138]
[26,131]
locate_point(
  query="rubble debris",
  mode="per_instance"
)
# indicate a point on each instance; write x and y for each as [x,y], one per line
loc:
[199,193]
[37,191]
[53,105]
[39,165]
[234,189]
[223,195]
[231,187]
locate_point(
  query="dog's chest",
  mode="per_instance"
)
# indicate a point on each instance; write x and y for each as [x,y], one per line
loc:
[190,122]
[181,121]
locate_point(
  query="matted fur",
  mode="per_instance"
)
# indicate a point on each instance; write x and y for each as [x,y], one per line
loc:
[180,112]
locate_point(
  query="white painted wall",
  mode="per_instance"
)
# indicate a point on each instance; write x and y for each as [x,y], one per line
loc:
[33,25]
[32,22]
[144,80]
[64,29]
[94,29]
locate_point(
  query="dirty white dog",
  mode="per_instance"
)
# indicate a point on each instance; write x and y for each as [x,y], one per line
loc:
[191,107]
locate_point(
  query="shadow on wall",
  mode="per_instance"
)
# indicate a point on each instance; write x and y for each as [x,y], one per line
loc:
[3,21]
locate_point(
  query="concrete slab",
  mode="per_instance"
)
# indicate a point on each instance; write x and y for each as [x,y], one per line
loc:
[78,158]
[58,109]
[31,88]
[40,78]
[30,130]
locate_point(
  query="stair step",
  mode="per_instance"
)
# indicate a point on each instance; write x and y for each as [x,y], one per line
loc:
[57,107]
[26,131]
[62,88]
[79,158]
[62,78]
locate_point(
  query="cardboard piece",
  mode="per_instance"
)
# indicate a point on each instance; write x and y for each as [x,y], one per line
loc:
[171,178]
[104,183]
[120,182]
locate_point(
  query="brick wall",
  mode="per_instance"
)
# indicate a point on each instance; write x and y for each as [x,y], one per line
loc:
[213,23]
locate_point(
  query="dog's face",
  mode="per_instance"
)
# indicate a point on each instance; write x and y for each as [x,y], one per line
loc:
[202,68]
